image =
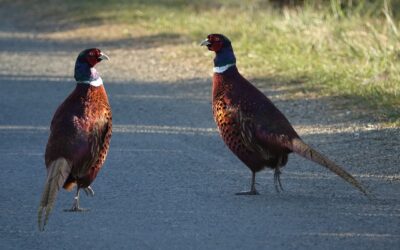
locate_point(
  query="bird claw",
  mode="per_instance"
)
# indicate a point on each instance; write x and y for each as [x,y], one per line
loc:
[89,191]
[77,209]
[277,180]
[75,206]
[251,192]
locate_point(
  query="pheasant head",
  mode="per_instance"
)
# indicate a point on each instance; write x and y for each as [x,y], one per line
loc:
[224,56]
[84,66]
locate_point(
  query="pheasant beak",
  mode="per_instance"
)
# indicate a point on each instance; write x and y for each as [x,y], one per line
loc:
[103,56]
[206,42]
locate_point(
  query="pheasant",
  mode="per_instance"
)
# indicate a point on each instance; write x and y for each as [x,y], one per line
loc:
[79,138]
[252,126]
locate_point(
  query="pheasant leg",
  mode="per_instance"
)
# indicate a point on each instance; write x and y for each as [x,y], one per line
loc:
[75,205]
[89,191]
[277,180]
[253,190]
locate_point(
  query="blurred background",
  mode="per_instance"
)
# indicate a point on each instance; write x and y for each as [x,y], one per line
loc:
[345,49]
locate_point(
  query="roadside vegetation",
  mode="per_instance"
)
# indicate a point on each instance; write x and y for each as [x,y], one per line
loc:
[346,49]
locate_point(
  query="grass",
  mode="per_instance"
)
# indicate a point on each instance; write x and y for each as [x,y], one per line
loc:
[345,51]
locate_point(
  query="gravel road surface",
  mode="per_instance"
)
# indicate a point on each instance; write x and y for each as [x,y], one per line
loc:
[169,181]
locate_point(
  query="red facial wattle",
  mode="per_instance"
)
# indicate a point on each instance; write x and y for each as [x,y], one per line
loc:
[215,46]
[93,57]
[92,61]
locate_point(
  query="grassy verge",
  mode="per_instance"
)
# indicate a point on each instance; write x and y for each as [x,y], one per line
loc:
[351,52]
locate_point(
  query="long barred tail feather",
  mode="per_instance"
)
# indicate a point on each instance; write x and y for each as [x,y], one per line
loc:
[301,148]
[58,172]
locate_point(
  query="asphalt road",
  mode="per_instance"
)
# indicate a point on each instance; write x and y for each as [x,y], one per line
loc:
[169,181]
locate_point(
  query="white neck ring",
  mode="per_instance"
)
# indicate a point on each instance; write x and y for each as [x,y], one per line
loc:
[222,68]
[96,83]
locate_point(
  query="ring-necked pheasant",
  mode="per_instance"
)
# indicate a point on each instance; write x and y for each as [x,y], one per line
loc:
[79,138]
[250,124]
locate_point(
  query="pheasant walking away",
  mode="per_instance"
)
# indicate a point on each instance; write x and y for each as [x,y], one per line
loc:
[251,125]
[79,138]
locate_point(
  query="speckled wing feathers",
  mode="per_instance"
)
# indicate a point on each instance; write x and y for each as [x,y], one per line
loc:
[243,116]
